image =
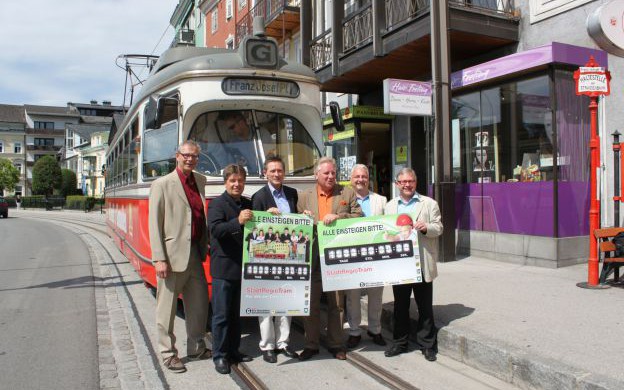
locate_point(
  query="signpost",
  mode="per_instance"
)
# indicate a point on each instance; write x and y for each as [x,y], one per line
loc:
[593,81]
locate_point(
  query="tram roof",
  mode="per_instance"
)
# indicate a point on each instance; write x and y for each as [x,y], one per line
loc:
[180,60]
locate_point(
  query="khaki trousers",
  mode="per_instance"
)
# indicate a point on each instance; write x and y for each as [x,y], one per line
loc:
[194,289]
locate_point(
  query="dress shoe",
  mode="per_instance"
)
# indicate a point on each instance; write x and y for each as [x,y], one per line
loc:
[202,355]
[307,353]
[174,364]
[222,366]
[430,354]
[377,338]
[269,356]
[395,350]
[240,358]
[338,353]
[353,341]
[287,352]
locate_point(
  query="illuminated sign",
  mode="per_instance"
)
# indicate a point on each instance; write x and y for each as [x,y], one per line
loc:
[271,87]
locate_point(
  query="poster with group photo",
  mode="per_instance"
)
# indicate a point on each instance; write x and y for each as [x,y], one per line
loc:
[276,265]
[369,252]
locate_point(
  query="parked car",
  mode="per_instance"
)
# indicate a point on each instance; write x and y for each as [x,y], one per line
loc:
[4,208]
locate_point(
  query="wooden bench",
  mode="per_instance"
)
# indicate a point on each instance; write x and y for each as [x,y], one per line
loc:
[606,250]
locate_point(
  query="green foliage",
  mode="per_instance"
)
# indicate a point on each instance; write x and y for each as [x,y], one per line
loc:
[46,176]
[9,175]
[79,202]
[68,182]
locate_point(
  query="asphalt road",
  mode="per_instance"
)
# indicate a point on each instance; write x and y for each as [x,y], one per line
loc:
[48,336]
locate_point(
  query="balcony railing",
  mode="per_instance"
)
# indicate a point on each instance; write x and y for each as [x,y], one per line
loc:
[269,9]
[49,148]
[321,51]
[358,28]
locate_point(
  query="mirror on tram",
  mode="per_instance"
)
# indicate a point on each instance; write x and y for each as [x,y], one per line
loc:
[334,109]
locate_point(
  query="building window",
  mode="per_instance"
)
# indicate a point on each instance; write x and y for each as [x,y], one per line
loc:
[1,147]
[229,42]
[87,111]
[214,17]
[242,4]
[44,125]
[70,143]
[17,147]
[228,9]
[543,9]
[18,166]
[44,141]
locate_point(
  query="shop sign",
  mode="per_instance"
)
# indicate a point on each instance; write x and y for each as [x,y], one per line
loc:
[401,153]
[407,97]
[332,135]
[592,80]
[361,112]
[606,26]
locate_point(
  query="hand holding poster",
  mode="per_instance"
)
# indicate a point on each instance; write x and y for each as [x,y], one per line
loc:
[369,252]
[276,265]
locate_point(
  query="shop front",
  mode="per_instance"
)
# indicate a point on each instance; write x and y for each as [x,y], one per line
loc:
[367,140]
[521,157]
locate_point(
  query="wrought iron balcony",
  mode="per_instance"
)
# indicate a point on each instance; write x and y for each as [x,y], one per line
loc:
[279,16]
[48,148]
[404,36]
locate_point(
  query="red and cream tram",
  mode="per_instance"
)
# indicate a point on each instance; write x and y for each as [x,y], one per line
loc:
[187,95]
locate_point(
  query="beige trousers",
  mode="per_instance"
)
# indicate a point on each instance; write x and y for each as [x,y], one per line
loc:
[194,289]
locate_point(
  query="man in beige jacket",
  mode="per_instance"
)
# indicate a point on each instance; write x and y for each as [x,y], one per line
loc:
[178,239]
[427,222]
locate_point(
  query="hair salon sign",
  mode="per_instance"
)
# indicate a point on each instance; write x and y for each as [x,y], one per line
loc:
[407,97]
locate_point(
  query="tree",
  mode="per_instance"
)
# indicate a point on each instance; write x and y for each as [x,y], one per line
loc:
[68,182]
[9,175]
[46,176]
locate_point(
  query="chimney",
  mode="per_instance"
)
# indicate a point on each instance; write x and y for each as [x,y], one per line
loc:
[93,102]
[106,103]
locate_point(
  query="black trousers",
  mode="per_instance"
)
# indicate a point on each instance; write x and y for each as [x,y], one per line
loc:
[226,326]
[426,331]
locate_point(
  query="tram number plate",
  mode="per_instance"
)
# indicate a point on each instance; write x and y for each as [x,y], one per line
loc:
[280,271]
[369,252]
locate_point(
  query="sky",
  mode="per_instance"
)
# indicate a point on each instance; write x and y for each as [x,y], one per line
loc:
[58,51]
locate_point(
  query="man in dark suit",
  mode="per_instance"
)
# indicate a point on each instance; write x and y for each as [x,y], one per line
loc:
[226,216]
[326,202]
[275,198]
[270,236]
[177,232]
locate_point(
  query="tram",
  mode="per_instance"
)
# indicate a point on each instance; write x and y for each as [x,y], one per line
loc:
[189,95]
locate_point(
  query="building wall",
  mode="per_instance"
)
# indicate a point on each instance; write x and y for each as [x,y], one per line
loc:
[225,29]
[569,27]
[9,140]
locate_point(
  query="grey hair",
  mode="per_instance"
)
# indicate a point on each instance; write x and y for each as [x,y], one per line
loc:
[324,160]
[189,142]
[406,171]
[359,166]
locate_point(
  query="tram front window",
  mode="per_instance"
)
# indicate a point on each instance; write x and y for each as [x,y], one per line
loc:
[248,137]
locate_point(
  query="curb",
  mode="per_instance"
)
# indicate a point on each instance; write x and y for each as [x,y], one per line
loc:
[508,363]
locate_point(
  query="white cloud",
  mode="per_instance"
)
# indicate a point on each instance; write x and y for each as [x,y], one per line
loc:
[59,51]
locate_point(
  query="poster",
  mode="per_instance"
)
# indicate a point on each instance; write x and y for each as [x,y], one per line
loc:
[276,265]
[369,252]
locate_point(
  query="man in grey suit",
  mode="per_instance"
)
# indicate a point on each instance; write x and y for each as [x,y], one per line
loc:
[427,222]
[177,230]
[371,204]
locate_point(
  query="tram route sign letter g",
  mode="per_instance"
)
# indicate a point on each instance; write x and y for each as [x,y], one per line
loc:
[261,53]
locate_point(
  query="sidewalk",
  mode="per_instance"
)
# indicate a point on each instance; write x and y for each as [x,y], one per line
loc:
[526,325]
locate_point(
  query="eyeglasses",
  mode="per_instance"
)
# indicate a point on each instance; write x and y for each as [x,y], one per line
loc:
[405,182]
[189,156]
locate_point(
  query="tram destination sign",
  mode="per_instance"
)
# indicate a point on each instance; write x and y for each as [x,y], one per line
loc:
[592,80]
[259,86]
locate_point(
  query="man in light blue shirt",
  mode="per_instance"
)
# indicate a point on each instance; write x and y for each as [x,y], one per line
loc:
[372,204]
